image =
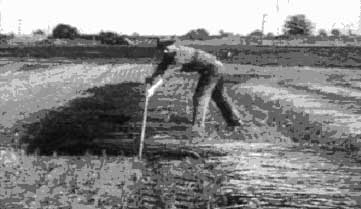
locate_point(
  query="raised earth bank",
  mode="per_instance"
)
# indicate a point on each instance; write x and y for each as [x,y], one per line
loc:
[254,55]
[69,108]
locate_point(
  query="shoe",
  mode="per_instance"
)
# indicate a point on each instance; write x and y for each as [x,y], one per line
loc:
[196,134]
[233,132]
[198,131]
[230,128]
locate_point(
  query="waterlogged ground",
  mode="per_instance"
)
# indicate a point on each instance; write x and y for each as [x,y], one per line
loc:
[260,175]
[263,170]
[25,91]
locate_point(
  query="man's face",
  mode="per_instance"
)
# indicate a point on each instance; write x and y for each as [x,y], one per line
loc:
[169,56]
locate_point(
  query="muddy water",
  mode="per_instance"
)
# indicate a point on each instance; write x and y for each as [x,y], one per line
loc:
[258,175]
[267,170]
[289,176]
[263,170]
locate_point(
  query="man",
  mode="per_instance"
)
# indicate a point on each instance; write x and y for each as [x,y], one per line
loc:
[210,84]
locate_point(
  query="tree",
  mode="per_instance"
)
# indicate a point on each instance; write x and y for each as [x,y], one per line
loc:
[350,33]
[270,35]
[222,33]
[198,34]
[322,33]
[256,33]
[112,38]
[297,25]
[335,32]
[64,31]
[38,32]
[225,34]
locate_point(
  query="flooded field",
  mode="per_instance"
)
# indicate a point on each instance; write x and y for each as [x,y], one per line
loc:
[58,106]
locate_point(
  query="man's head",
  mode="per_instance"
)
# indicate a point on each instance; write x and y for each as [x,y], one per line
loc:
[162,46]
[163,43]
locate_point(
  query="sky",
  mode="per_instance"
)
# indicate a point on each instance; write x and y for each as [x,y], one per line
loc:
[174,17]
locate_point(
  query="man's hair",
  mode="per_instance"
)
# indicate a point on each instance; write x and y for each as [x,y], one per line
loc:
[162,44]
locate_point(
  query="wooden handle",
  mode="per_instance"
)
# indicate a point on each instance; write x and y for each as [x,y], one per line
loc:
[152,89]
[144,124]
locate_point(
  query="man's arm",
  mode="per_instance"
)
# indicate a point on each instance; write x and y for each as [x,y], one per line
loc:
[159,71]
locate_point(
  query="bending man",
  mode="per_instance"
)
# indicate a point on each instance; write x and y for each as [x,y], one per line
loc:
[210,84]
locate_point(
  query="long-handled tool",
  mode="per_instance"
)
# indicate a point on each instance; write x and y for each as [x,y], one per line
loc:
[149,93]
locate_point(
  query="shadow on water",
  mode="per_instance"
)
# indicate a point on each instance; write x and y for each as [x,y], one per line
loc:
[71,129]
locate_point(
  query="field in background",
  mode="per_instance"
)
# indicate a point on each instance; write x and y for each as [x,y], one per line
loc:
[322,101]
[347,57]
[65,107]
[344,57]
[318,105]
[79,52]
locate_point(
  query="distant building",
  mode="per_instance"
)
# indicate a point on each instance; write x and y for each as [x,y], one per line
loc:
[142,41]
[25,40]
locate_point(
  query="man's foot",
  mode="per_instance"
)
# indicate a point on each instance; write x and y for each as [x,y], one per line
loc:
[235,123]
[196,134]
[233,132]
[198,131]
[230,128]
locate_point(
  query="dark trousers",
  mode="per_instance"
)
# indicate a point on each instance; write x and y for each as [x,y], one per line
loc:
[211,86]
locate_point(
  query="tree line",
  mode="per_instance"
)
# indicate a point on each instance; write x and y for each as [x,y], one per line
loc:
[294,26]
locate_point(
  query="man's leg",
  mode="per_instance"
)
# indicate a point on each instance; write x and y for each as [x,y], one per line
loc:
[201,99]
[229,112]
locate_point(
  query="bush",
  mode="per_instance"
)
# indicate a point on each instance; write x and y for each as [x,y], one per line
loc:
[336,32]
[38,32]
[198,34]
[256,33]
[63,31]
[322,33]
[111,38]
[297,25]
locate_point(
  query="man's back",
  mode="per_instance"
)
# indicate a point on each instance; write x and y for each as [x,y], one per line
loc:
[192,59]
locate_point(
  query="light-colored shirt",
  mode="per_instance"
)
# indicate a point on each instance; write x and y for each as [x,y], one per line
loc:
[187,55]
[190,59]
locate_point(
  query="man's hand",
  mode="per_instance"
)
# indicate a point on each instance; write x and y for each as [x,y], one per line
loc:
[151,90]
[149,80]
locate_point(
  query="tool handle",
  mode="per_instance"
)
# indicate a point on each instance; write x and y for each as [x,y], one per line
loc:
[144,124]
[149,93]
[152,89]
